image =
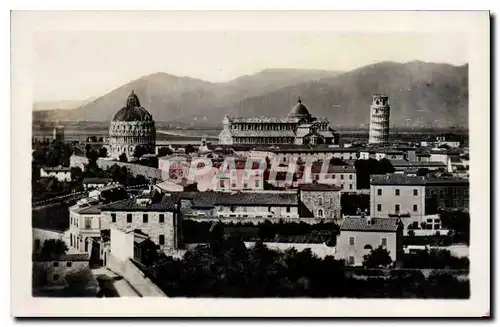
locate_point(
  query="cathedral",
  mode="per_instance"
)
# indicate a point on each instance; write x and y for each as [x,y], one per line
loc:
[132,126]
[299,128]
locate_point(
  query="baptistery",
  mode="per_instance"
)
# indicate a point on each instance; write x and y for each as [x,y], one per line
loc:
[132,128]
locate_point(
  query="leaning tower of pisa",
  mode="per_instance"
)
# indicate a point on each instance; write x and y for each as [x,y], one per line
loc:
[379,119]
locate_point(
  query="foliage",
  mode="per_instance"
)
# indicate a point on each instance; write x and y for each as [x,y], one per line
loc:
[226,268]
[123,157]
[139,151]
[53,248]
[350,203]
[459,223]
[365,168]
[435,240]
[54,154]
[434,259]
[199,232]
[103,152]
[189,149]
[423,171]
[164,151]
[378,257]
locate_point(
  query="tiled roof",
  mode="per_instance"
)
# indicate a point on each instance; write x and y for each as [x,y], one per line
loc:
[318,187]
[88,210]
[211,199]
[166,204]
[317,168]
[377,224]
[404,163]
[401,179]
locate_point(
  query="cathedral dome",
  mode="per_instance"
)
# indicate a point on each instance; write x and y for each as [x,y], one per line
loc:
[299,110]
[133,111]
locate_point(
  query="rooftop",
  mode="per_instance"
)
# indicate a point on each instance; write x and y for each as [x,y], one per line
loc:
[376,225]
[165,204]
[211,199]
[402,179]
[57,169]
[318,187]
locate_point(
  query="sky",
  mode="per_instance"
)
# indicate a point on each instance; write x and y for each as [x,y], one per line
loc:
[76,65]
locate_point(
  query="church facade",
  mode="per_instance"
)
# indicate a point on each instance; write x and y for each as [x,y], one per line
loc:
[131,127]
[299,128]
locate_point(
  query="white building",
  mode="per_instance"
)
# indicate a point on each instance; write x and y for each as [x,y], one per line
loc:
[62,174]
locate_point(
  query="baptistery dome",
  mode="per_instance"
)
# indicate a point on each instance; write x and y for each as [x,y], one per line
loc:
[132,127]
[299,111]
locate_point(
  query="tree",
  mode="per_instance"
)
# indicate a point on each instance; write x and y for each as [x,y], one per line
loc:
[189,149]
[378,257]
[103,152]
[101,139]
[53,248]
[164,151]
[123,157]
[139,151]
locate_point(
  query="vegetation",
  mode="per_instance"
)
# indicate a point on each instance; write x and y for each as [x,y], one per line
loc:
[459,225]
[377,258]
[53,248]
[123,157]
[352,203]
[434,259]
[226,268]
[365,168]
[164,151]
[56,153]
[287,232]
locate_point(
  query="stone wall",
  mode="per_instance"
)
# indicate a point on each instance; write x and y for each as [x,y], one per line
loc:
[135,169]
[320,204]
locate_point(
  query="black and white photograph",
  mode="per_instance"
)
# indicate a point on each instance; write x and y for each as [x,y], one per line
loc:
[190,156]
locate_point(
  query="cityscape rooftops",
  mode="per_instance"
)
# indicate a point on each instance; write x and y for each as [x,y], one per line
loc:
[165,204]
[402,179]
[360,224]
[211,199]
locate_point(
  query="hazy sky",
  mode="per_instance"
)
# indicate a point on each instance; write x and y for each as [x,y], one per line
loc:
[78,65]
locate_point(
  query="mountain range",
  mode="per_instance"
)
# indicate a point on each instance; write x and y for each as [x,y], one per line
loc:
[420,94]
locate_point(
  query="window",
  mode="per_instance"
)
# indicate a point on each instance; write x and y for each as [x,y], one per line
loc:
[351,240]
[320,201]
[233,185]
[287,209]
[351,260]
[257,183]
[88,223]
[415,208]
[161,218]
[129,217]
[221,183]
[69,264]
[245,185]
[161,239]
[113,217]
[268,209]
[342,176]
[320,213]
[232,208]
[384,241]
[397,192]
[55,277]
[379,191]
[396,208]
[71,239]
[145,218]
[342,186]
[379,207]
[350,186]
[415,192]
[56,264]
[350,176]
[333,176]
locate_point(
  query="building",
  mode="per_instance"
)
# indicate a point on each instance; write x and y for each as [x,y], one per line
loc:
[411,198]
[85,225]
[62,174]
[96,182]
[157,218]
[132,244]
[379,119]
[319,201]
[404,166]
[133,126]
[244,175]
[260,204]
[52,271]
[40,235]
[359,235]
[299,127]
[342,176]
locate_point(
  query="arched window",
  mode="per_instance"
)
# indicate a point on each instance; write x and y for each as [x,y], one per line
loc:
[320,200]
[320,213]
[367,247]
[71,239]
[86,245]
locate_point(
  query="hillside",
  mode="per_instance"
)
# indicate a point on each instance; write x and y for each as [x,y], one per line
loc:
[418,91]
[422,92]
